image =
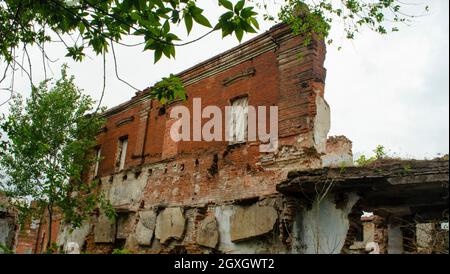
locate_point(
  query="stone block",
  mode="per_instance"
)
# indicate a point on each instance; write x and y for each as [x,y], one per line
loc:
[170,224]
[251,221]
[105,230]
[145,227]
[125,223]
[208,234]
[78,235]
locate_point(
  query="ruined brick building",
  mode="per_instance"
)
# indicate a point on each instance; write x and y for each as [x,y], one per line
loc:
[203,197]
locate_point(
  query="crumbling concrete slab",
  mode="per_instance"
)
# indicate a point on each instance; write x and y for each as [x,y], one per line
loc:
[208,233]
[105,230]
[170,224]
[125,224]
[323,228]
[251,221]
[78,235]
[395,187]
[126,191]
[145,227]
[395,239]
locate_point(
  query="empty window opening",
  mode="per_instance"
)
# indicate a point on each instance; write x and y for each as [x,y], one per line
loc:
[237,122]
[98,153]
[122,152]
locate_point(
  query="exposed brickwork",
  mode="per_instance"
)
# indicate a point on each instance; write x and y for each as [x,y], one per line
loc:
[33,236]
[286,74]
[274,69]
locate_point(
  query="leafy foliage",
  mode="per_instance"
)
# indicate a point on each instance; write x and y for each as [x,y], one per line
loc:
[98,23]
[238,19]
[169,89]
[49,137]
[101,22]
[5,250]
[122,251]
[53,248]
[317,17]
[380,153]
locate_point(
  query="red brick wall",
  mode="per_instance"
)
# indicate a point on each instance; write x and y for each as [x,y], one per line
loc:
[109,140]
[288,76]
[33,239]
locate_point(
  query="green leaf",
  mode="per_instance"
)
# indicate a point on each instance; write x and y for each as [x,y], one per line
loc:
[227,28]
[81,27]
[188,22]
[227,15]
[218,26]
[239,5]
[199,18]
[246,27]
[166,27]
[149,44]
[140,32]
[158,55]
[227,4]
[239,33]
[247,12]
[166,51]
[172,37]
[254,22]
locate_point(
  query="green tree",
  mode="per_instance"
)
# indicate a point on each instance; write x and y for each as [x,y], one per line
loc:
[49,139]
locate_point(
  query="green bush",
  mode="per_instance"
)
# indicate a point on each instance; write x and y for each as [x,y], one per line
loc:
[122,251]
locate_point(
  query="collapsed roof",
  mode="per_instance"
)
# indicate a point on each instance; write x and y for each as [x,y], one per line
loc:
[392,187]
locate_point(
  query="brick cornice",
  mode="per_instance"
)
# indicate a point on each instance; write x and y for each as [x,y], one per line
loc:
[246,51]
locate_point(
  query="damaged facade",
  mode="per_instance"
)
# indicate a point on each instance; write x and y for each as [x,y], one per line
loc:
[174,196]
[408,197]
[217,197]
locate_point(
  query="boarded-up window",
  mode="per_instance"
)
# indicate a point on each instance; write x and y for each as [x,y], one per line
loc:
[124,221]
[122,152]
[238,121]
[98,152]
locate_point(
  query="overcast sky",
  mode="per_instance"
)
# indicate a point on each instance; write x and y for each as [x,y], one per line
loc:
[391,90]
